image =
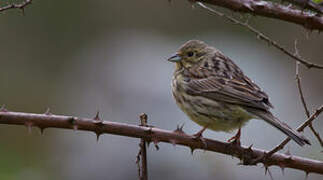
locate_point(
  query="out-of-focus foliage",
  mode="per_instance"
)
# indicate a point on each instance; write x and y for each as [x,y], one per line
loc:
[317,1]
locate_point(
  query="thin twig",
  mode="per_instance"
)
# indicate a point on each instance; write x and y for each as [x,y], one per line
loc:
[316,134]
[299,129]
[20,6]
[261,36]
[245,154]
[298,81]
[138,161]
[300,90]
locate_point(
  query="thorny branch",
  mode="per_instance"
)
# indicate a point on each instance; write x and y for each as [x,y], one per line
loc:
[261,36]
[308,4]
[20,6]
[274,10]
[245,154]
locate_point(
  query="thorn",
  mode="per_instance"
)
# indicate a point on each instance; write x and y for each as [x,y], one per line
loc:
[270,175]
[98,134]
[47,112]
[266,169]
[97,119]
[179,129]
[250,147]
[306,174]
[29,126]
[192,150]
[156,144]
[138,158]
[3,108]
[99,123]
[269,172]
[42,129]
[97,116]
[283,170]
[157,147]
[143,119]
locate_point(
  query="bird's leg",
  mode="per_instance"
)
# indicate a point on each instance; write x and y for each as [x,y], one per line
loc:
[199,135]
[236,138]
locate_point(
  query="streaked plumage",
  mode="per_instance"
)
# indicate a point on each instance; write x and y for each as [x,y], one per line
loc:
[214,92]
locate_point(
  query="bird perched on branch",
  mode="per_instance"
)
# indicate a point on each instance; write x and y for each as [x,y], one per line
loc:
[214,92]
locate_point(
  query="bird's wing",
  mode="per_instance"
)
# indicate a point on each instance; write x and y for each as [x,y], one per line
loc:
[232,87]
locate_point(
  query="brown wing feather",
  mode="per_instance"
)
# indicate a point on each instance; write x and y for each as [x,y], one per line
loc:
[227,84]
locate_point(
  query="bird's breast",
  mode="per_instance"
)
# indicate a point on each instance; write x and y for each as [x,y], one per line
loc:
[204,111]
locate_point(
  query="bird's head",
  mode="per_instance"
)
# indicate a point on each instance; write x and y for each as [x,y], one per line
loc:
[190,53]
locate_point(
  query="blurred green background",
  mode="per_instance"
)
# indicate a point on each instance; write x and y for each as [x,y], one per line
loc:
[77,57]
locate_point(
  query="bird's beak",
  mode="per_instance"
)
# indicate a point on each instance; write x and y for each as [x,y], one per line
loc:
[175,58]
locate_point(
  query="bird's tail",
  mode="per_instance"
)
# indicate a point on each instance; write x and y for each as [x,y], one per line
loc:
[271,119]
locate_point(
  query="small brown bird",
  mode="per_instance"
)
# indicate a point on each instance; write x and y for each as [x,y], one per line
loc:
[214,92]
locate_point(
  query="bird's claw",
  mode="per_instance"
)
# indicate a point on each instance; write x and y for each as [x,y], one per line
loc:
[235,140]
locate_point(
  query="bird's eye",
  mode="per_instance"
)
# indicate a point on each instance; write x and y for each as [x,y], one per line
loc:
[190,53]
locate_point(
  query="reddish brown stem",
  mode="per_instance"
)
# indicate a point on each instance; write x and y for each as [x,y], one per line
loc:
[143,150]
[272,10]
[149,133]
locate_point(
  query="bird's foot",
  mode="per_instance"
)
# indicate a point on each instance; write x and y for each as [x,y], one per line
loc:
[235,140]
